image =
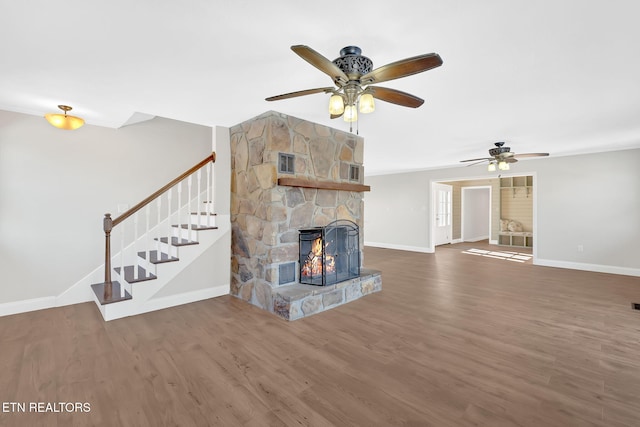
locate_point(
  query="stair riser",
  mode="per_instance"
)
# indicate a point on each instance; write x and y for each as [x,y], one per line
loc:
[184,233]
[166,248]
[203,220]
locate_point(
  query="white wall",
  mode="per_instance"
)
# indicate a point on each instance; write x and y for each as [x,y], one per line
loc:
[222,147]
[476,213]
[396,212]
[55,187]
[591,200]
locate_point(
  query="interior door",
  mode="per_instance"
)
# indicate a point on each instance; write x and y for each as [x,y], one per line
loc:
[442,214]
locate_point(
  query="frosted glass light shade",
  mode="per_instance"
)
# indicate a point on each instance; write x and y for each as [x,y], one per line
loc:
[491,167]
[350,113]
[366,103]
[64,121]
[336,105]
[503,166]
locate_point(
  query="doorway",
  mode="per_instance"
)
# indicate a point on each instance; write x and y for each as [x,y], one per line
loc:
[443,213]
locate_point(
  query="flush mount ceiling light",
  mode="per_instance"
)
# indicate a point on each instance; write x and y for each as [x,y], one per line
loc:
[353,74]
[64,121]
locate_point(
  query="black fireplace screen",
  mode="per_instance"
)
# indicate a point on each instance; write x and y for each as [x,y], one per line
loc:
[329,254]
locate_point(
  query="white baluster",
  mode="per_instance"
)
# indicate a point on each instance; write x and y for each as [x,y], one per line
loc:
[147,255]
[135,246]
[179,209]
[158,226]
[213,190]
[209,201]
[199,202]
[122,260]
[189,207]
[169,251]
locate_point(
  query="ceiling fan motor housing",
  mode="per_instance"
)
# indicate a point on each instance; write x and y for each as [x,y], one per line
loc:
[352,63]
[500,149]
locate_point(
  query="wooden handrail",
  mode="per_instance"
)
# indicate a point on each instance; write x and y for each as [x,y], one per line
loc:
[210,158]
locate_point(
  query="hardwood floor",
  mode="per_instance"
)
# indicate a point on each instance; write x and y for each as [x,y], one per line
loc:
[452,340]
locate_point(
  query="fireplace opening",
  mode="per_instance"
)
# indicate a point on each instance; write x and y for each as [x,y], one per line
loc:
[329,254]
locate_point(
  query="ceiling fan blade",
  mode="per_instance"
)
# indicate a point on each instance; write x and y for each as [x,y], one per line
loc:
[521,156]
[475,163]
[321,63]
[510,160]
[395,96]
[335,116]
[301,93]
[402,68]
[477,160]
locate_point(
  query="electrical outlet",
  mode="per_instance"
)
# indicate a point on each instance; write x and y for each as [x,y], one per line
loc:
[580,248]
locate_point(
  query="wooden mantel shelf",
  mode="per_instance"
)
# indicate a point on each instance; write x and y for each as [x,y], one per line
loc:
[323,185]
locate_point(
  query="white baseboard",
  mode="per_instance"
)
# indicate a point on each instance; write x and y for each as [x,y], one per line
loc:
[185,298]
[24,306]
[118,311]
[400,247]
[598,268]
[476,239]
[493,242]
[35,304]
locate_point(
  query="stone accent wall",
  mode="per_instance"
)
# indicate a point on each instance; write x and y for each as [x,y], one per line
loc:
[265,217]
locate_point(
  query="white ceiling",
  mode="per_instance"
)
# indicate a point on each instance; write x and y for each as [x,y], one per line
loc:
[559,76]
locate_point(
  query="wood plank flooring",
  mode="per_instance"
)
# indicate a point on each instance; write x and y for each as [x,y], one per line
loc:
[452,340]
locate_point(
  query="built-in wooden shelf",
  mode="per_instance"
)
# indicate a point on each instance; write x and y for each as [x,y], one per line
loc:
[323,185]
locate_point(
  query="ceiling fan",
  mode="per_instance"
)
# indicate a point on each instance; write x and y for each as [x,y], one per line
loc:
[501,156]
[353,75]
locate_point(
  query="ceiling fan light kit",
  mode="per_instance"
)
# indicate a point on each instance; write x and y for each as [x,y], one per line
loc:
[336,105]
[353,74]
[366,103]
[350,113]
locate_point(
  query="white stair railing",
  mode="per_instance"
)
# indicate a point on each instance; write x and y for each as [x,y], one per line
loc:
[140,236]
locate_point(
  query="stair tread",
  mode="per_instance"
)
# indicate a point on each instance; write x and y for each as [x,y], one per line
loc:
[177,241]
[99,288]
[196,227]
[142,274]
[153,255]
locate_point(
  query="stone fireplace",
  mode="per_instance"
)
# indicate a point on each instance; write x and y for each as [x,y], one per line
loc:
[289,178]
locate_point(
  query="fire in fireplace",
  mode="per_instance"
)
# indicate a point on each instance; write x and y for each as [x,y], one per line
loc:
[329,254]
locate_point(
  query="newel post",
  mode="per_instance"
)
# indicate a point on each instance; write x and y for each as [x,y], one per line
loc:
[107,225]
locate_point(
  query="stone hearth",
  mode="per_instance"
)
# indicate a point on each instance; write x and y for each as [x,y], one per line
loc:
[295,301]
[288,174]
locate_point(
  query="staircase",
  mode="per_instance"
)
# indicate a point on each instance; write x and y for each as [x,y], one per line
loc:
[158,238]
